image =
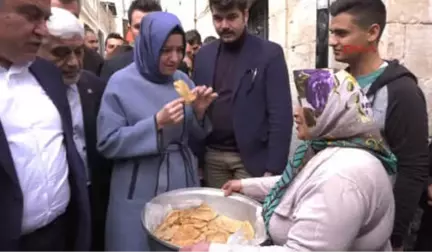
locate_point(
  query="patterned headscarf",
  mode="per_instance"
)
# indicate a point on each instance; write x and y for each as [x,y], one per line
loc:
[337,114]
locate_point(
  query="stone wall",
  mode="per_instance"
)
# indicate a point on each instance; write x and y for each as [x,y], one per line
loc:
[406,37]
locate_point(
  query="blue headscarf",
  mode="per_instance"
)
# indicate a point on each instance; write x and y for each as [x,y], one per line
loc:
[155,30]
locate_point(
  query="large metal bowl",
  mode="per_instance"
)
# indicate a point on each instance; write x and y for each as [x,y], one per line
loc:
[235,206]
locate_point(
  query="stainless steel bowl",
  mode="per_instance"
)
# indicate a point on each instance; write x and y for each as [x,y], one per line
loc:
[235,206]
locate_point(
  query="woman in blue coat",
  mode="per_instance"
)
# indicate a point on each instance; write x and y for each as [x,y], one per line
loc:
[143,125]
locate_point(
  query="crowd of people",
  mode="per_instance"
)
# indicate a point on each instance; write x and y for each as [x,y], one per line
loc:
[87,140]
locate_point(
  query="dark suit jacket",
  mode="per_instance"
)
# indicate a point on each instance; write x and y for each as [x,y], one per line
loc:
[116,63]
[261,103]
[11,196]
[92,61]
[91,88]
[123,60]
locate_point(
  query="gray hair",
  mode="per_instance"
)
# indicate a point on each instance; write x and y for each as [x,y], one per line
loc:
[63,24]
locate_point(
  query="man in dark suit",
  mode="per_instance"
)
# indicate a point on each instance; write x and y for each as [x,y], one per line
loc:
[252,117]
[44,197]
[93,61]
[137,10]
[64,46]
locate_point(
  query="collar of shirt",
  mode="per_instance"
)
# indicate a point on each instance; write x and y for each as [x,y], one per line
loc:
[16,68]
[73,87]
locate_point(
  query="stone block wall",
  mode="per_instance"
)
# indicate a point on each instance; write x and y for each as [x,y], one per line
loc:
[292,24]
[406,36]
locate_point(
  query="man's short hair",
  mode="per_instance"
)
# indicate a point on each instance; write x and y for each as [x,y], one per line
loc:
[114,35]
[193,37]
[88,29]
[144,6]
[225,5]
[365,12]
[209,39]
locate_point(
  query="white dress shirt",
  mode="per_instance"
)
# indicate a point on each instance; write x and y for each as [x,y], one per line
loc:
[33,129]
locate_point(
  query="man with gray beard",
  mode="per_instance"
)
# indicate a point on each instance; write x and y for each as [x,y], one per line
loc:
[64,46]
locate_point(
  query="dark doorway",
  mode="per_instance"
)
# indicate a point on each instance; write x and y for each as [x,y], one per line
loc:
[258,18]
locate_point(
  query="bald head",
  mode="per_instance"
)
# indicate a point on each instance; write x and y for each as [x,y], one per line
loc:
[73,6]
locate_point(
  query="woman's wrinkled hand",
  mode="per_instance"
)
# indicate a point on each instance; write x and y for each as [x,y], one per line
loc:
[232,186]
[204,97]
[199,247]
[172,113]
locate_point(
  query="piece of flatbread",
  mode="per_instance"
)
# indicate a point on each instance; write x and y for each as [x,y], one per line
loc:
[167,233]
[227,224]
[184,91]
[217,237]
[248,230]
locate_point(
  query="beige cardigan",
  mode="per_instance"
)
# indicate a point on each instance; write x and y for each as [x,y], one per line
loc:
[341,201]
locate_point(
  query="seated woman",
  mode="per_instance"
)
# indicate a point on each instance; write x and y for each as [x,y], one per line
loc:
[143,126]
[341,197]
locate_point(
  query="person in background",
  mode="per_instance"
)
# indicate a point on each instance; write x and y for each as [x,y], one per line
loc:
[113,41]
[252,117]
[193,44]
[209,39]
[44,198]
[92,60]
[64,46]
[336,192]
[91,40]
[148,143]
[137,10]
[424,241]
[121,49]
[396,97]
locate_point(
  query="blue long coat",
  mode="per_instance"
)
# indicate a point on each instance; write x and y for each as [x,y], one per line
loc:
[147,162]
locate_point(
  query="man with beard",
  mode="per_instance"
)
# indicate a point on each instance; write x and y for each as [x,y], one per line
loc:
[64,46]
[252,117]
[93,62]
[44,198]
[398,103]
[90,39]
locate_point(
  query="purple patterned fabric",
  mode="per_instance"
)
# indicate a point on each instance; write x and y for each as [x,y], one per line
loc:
[318,88]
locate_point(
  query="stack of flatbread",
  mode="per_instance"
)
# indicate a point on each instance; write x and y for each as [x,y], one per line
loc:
[190,226]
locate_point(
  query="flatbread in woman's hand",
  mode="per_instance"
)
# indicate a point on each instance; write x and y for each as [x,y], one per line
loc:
[183,90]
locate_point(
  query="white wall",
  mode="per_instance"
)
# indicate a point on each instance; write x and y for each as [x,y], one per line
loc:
[183,9]
[204,23]
[186,10]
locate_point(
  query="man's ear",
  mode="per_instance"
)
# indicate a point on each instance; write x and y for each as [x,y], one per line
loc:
[373,33]
[246,16]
